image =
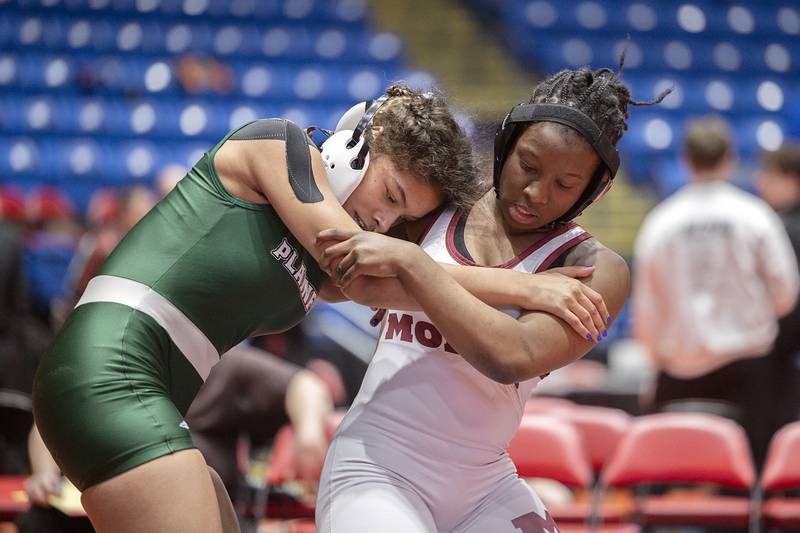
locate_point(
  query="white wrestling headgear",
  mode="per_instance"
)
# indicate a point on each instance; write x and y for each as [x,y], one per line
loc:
[346,153]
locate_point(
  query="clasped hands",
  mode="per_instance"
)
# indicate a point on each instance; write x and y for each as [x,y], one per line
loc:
[558,291]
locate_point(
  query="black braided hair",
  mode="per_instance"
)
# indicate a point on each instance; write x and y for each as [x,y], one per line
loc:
[600,94]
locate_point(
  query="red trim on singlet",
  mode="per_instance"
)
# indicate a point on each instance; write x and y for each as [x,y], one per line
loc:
[431,222]
[561,249]
[451,247]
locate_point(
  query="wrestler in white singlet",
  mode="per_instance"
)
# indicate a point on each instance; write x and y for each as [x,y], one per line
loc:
[422,449]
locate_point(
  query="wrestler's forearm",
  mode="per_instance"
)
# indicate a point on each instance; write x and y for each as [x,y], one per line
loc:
[496,287]
[482,335]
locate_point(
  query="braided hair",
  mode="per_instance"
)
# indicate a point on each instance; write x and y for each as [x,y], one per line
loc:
[421,135]
[600,94]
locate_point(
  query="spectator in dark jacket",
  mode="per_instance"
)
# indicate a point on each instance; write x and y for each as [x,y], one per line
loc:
[779,183]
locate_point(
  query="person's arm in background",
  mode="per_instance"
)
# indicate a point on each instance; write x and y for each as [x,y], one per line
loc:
[308,404]
[778,264]
[45,476]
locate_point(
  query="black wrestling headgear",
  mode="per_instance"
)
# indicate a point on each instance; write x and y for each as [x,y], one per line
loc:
[522,114]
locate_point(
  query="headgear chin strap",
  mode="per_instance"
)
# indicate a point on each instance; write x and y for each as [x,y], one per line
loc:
[512,126]
[346,152]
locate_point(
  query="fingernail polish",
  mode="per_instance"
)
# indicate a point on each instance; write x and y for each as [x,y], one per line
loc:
[589,336]
[608,319]
[605,334]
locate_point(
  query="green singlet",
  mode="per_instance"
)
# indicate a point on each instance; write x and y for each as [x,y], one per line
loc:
[201,272]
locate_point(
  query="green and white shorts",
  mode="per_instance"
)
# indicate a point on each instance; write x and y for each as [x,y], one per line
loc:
[111,392]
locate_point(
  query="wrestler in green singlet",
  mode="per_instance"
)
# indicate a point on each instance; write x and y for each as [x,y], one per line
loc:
[201,272]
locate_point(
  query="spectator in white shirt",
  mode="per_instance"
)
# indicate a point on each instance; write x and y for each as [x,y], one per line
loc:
[714,270]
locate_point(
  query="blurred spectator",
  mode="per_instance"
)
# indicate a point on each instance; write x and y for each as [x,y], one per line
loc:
[198,75]
[252,393]
[110,217]
[16,361]
[103,209]
[714,270]
[779,184]
[50,209]
[49,245]
[46,481]
[12,208]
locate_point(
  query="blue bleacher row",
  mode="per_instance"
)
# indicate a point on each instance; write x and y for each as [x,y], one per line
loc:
[342,12]
[728,94]
[65,112]
[81,74]
[555,49]
[28,160]
[82,166]
[769,18]
[101,34]
[160,119]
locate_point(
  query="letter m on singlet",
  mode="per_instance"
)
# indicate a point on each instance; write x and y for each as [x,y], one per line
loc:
[399,326]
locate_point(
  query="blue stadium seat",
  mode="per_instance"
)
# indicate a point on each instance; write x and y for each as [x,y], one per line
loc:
[762,95]
[9,70]
[76,158]
[100,116]
[262,79]
[7,27]
[141,160]
[761,132]
[670,174]
[12,116]
[183,36]
[653,132]
[40,113]
[774,18]
[46,261]
[21,157]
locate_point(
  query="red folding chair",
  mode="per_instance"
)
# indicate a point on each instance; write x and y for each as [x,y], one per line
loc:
[279,471]
[689,448]
[551,448]
[601,429]
[548,447]
[782,472]
[13,499]
[281,457]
